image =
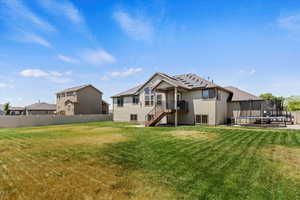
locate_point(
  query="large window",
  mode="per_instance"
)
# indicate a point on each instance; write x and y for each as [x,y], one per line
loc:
[201,119]
[149,97]
[209,93]
[120,102]
[133,117]
[135,99]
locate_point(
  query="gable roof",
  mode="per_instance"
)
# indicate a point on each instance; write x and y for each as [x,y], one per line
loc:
[186,81]
[77,88]
[41,106]
[241,95]
[131,91]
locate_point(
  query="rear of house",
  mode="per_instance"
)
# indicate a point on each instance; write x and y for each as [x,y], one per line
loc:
[41,109]
[182,99]
[84,99]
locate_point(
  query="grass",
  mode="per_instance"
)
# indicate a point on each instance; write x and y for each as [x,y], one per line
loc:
[113,161]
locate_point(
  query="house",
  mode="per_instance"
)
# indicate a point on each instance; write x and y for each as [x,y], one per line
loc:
[41,109]
[17,111]
[105,107]
[182,99]
[85,99]
[1,109]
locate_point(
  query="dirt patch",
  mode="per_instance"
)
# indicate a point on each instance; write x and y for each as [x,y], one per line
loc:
[73,129]
[95,139]
[287,158]
[193,135]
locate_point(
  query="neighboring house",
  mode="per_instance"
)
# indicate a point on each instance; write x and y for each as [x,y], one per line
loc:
[41,109]
[17,111]
[105,107]
[84,99]
[181,99]
[1,109]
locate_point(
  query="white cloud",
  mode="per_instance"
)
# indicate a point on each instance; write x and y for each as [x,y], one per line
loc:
[67,59]
[128,72]
[290,22]
[4,85]
[97,57]
[65,8]
[136,27]
[54,76]
[21,15]
[247,72]
[33,38]
[36,73]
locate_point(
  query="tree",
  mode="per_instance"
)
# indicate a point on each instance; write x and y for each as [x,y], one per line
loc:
[294,105]
[267,96]
[6,109]
[270,96]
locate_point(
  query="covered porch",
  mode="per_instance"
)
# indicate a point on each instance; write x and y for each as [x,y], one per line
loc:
[168,102]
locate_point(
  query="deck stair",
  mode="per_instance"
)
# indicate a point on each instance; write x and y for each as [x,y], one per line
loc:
[159,116]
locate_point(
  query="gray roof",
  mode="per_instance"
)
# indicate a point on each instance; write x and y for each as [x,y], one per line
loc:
[193,81]
[240,95]
[41,106]
[16,108]
[131,91]
[74,89]
[187,81]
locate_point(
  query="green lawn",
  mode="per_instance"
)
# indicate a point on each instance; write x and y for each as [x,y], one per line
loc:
[113,161]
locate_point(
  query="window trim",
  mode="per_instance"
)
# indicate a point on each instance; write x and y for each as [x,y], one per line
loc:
[202,116]
[133,116]
[121,104]
[135,100]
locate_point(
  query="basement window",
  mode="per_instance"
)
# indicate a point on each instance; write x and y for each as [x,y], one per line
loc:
[201,119]
[133,117]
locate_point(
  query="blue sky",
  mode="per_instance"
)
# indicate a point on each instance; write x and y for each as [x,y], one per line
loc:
[49,45]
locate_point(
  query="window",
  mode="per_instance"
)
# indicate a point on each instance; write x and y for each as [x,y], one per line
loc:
[58,96]
[120,102]
[63,95]
[209,93]
[69,94]
[147,90]
[133,117]
[69,107]
[201,119]
[150,117]
[159,99]
[135,99]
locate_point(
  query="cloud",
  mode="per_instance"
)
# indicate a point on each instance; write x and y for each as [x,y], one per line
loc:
[36,73]
[54,76]
[67,59]
[247,72]
[126,73]
[32,38]
[4,85]
[135,27]
[97,57]
[22,15]
[290,22]
[65,8]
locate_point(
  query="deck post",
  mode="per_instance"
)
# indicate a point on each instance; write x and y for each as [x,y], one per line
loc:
[175,106]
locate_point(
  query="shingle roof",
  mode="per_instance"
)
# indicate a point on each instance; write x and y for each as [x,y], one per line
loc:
[41,106]
[16,108]
[131,91]
[74,89]
[240,95]
[187,81]
[193,81]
